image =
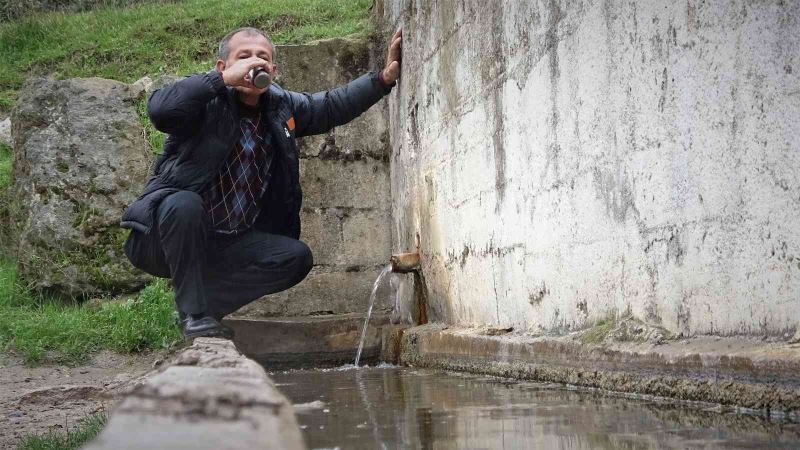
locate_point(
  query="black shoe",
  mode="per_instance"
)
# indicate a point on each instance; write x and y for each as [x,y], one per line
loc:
[205,326]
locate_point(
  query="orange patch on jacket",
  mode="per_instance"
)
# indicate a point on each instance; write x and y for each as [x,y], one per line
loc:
[290,123]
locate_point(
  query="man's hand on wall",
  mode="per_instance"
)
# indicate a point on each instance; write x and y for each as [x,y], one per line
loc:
[391,72]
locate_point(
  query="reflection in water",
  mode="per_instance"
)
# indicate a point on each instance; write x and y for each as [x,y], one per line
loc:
[393,407]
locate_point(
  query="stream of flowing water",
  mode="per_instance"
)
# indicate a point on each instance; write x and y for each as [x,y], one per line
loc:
[372,296]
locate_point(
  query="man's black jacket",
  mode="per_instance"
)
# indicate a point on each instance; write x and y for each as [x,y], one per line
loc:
[200,115]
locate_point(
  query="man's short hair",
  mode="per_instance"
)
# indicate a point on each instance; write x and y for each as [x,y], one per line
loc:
[224,49]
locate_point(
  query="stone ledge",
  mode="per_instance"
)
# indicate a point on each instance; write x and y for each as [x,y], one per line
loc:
[326,290]
[312,341]
[733,372]
[208,397]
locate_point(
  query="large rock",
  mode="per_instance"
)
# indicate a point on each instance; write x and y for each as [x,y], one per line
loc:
[5,132]
[80,159]
[143,87]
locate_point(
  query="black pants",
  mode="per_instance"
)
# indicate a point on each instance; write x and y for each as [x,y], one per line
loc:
[212,273]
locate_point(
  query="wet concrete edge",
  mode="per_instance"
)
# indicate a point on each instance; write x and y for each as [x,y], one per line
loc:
[280,343]
[763,383]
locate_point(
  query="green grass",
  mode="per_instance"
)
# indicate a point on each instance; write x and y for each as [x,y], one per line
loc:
[599,331]
[6,201]
[153,38]
[6,158]
[46,330]
[155,139]
[14,9]
[86,429]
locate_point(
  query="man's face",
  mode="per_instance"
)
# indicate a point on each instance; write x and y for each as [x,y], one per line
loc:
[245,45]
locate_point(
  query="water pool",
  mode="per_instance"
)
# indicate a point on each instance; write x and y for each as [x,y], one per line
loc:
[400,407]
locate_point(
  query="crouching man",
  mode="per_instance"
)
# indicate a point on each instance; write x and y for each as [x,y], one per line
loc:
[220,214]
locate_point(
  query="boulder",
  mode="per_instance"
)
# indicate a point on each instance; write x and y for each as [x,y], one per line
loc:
[5,131]
[80,159]
[140,87]
[143,87]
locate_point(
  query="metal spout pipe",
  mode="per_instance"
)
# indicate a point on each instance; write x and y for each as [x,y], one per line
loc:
[405,262]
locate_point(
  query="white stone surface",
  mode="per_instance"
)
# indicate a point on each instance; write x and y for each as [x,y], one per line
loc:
[5,131]
[567,161]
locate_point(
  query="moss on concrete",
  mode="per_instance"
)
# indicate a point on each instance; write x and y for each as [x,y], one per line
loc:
[624,329]
[766,382]
[598,332]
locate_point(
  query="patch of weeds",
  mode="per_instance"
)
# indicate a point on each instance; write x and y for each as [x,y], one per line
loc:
[7,203]
[624,329]
[154,138]
[598,332]
[42,329]
[83,213]
[6,160]
[84,431]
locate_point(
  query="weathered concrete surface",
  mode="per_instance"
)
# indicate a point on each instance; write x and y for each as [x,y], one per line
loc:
[346,191]
[209,397]
[79,160]
[326,290]
[567,161]
[317,341]
[727,371]
[391,342]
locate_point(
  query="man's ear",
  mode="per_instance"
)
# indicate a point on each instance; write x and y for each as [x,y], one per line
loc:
[220,66]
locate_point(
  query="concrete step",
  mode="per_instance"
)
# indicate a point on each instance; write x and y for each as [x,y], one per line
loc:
[308,341]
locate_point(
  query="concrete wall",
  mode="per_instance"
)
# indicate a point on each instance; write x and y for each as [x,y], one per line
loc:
[565,161]
[346,190]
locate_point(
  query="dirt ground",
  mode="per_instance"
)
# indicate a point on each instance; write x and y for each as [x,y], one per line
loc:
[34,400]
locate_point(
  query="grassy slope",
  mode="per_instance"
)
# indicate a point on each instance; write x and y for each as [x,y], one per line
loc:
[177,38]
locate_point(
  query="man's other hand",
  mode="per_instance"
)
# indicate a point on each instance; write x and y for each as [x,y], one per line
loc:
[238,73]
[391,72]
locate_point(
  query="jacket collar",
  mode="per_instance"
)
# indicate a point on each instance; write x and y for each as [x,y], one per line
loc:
[269,100]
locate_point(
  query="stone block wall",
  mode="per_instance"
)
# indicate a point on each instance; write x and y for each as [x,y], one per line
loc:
[346,216]
[563,162]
